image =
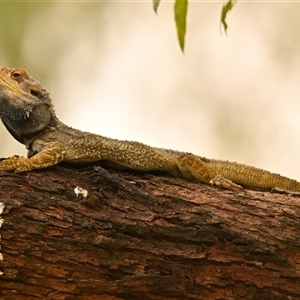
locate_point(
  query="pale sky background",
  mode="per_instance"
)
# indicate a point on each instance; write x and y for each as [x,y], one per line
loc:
[116,69]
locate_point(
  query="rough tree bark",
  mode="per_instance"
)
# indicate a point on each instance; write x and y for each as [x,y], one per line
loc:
[144,236]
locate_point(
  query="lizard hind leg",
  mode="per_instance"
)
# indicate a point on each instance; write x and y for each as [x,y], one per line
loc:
[193,167]
[224,183]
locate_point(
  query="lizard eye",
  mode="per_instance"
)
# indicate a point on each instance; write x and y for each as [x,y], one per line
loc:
[15,75]
[34,93]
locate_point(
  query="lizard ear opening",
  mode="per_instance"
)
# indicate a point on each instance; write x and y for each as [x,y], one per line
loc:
[34,93]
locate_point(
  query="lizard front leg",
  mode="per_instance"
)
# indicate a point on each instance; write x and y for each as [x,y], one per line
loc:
[50,156]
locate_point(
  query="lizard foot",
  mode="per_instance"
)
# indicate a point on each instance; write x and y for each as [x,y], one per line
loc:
[224,183]
[17,163]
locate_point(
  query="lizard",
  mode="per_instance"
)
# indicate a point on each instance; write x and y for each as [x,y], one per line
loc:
[27,112]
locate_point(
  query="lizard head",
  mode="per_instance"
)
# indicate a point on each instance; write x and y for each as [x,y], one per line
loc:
[19,93]
[25,105]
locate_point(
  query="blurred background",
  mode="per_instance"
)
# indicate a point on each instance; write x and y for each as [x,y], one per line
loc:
[116,69]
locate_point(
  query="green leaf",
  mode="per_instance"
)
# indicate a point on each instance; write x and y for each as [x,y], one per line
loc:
[180,11]
[225,9]
[155,5]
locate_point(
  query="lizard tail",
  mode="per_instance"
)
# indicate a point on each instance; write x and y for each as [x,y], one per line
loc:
[252,177]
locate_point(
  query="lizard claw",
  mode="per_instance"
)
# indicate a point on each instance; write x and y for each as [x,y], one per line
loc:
[224,183]
[11,163]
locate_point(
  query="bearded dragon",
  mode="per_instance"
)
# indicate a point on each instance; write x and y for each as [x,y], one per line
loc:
[27,112]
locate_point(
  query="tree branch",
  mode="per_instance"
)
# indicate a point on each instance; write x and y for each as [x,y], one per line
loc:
[144,236]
